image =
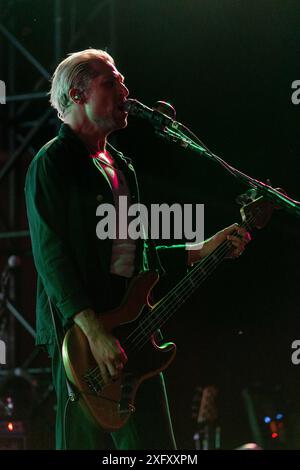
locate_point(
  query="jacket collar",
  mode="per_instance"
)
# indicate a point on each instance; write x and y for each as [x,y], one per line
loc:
[66,132]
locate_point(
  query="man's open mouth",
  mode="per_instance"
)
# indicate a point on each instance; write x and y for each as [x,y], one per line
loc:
[121,107]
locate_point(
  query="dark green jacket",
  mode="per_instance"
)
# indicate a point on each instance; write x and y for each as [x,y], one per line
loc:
[63,189]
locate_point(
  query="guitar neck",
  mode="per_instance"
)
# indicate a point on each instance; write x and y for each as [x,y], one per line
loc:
[169,304]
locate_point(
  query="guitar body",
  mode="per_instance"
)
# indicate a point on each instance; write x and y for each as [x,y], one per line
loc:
[111,405]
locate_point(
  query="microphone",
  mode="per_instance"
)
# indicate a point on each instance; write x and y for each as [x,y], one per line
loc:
[162,115]
[166,108]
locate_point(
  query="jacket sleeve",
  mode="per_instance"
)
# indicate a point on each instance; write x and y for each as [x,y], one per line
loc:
[173,256]
[46,197]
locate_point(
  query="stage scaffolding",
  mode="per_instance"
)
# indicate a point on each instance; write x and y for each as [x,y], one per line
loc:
[70,30]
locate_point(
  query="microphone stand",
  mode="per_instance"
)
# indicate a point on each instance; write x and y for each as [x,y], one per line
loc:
[277,197]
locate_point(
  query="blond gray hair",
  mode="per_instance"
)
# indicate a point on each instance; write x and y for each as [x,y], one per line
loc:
[75,71]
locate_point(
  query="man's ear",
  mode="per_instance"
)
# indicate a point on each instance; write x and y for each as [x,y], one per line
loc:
[76,95]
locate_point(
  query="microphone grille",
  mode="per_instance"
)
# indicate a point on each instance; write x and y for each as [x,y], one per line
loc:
[165,108]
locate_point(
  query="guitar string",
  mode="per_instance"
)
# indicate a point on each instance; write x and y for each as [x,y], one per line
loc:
[143,339]
[200,267]
[208,262]
[95,373]
[222,249]
[186,284]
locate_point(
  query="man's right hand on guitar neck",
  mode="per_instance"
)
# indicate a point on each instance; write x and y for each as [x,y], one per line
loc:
[106,349]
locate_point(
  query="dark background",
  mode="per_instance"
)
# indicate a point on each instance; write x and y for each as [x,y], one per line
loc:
[227,66]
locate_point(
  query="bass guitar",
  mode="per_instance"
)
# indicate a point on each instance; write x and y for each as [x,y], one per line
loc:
[134,323]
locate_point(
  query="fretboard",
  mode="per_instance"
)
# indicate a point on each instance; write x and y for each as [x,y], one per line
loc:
[169,304]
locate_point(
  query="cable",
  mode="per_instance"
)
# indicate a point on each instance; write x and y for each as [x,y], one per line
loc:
[65,422]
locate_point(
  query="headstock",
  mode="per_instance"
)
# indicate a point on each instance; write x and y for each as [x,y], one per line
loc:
[255,211]
[257,214]
[205,405]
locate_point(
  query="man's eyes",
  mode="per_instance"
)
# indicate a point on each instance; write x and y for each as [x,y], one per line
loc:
[112,81]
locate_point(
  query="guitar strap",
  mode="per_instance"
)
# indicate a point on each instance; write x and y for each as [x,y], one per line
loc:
[153,262]
[73,395]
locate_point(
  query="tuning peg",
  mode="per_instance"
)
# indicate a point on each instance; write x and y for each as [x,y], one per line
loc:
[269,182]
[246,197]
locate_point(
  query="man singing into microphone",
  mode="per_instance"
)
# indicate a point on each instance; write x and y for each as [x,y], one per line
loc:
[79,275]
